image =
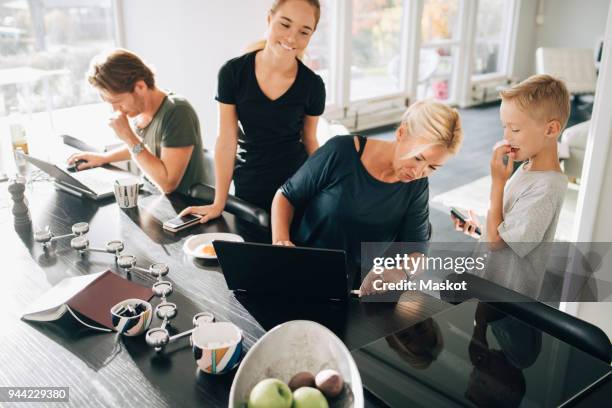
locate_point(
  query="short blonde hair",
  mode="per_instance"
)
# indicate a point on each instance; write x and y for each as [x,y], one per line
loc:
[542,97]
[436,122]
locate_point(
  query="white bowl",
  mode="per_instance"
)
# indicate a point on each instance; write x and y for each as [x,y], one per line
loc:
[299,345]
[194,244]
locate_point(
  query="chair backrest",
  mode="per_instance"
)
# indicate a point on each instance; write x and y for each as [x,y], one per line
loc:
[578,333]
[326,130]
[573,65]
[209,168]
[234,205]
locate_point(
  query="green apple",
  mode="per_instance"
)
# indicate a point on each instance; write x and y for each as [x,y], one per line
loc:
[270,393]
[308,397]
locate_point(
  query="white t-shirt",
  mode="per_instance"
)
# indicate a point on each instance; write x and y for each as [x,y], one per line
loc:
[532,203]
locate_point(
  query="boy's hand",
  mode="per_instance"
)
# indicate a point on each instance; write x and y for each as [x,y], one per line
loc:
[500,172]
[469,226]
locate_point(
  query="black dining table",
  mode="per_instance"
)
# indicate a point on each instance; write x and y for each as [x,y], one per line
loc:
[102,370]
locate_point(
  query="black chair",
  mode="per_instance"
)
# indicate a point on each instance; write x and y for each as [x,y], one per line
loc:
[234,205]
[209,168]
[580,334]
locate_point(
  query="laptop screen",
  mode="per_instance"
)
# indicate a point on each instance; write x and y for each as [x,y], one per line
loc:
[55,172]
[277,270]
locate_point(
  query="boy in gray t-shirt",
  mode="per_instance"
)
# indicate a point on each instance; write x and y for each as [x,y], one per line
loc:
[524,209]
[532,203]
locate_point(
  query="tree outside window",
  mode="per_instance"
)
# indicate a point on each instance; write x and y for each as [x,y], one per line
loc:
[45,50]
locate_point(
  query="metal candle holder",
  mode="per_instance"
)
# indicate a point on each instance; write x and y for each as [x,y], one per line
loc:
[79,241]
[157,337]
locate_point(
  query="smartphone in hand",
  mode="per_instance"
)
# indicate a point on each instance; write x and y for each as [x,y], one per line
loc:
[461,217]
[180,223]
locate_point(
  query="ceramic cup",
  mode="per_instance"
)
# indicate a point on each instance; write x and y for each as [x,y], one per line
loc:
[135,325]
[126,192]
[217,346]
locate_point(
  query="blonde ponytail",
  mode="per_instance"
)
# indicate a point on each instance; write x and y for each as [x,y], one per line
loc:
[256,46]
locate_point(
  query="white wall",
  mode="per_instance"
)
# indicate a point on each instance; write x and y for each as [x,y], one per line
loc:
[524,60]
[600,313]
[595,201]
[603,223]
[572,23]
[187,41]
[562,23]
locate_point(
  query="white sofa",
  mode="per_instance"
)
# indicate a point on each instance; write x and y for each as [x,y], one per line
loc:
[576,66]
[575,139]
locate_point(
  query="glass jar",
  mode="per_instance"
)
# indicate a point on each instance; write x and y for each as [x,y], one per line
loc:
[18,134]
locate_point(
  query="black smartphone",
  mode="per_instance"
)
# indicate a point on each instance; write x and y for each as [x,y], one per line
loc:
[459,215]
[180,223]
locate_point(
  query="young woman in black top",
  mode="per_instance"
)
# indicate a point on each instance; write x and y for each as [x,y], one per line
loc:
[269,103]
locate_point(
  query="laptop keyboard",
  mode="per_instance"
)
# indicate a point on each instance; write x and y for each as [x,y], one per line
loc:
[99,180]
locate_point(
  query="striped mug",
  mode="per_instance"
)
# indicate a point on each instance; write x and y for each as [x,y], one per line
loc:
[217,346]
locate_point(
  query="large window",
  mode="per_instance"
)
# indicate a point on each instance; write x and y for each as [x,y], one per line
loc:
[375,63]
[377,55]
[439,21]
[45,50]
[320,50]
[439,47]
[490,47]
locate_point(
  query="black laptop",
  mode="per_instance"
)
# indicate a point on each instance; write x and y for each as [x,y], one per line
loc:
[264,269]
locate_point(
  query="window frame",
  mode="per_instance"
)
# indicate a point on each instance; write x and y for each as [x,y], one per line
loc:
[115,38]
[462,80]
[508,41]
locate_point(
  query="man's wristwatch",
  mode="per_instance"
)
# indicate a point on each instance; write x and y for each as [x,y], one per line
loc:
[137,148]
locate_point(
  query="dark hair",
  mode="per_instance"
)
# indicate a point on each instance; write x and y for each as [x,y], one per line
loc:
[118,72]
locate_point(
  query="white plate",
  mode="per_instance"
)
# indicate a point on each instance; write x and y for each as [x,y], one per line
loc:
[298,345]
[193,246]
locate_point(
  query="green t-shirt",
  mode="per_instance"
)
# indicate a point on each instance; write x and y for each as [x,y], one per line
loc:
[176,124]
